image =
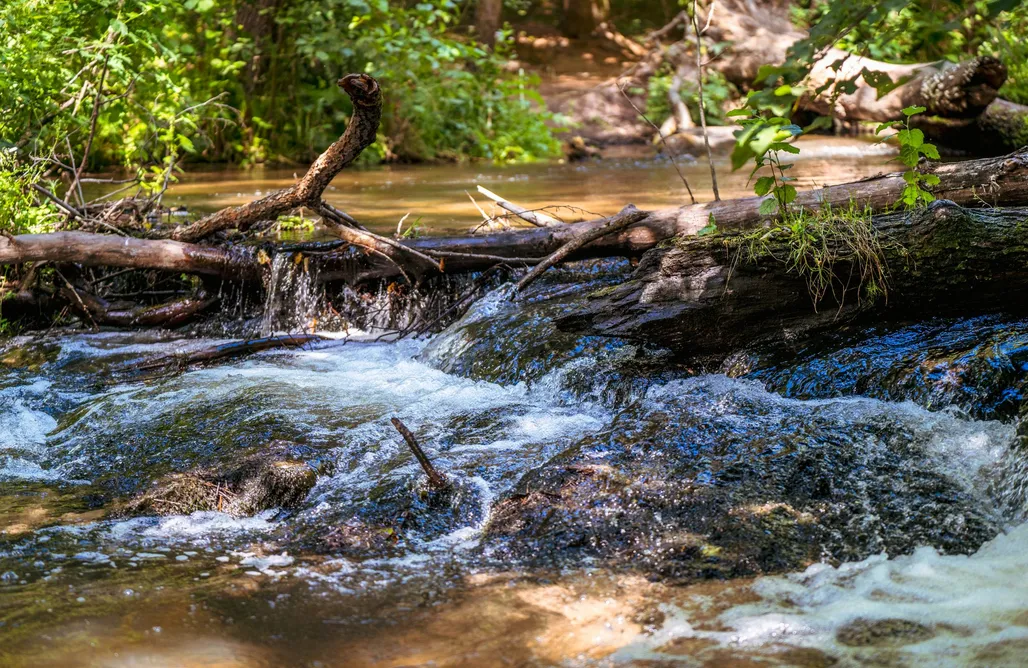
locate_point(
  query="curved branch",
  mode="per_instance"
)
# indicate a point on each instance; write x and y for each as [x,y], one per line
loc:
[360,133]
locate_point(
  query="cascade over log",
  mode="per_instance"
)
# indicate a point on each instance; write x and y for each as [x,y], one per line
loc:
[706,297]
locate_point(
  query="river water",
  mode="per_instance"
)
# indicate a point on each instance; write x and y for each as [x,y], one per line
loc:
[859,502]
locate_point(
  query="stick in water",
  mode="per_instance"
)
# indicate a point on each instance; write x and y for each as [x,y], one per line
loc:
[435,479]
[627,216]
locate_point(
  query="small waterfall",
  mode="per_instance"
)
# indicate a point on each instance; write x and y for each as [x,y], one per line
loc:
[293,300]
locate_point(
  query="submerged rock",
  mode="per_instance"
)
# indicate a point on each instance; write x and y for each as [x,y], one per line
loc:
[883,632]
[258,482]
[713,477]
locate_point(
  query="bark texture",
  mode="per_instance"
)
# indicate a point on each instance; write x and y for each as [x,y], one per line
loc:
[488,16]
[366,96]
[989,181]
[96,250]
[707,297]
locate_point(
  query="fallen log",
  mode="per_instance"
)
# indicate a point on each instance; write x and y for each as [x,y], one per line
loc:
[223,351]
[98,250]
[985,182]
[168,314]
[990,182]
[761,34]
[706,297]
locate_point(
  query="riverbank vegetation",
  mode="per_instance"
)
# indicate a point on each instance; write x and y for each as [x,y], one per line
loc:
[154,87]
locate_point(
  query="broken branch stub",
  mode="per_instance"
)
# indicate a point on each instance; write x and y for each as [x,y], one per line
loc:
[435,479]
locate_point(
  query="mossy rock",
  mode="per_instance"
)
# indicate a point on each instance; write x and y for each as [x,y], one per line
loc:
[258,482]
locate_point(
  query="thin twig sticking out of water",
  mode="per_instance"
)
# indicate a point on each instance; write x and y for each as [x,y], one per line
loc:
[663,140]
[435,479]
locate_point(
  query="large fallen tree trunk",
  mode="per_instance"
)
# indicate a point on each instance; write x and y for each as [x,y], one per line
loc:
[705,297]
[761,34]
[988,181]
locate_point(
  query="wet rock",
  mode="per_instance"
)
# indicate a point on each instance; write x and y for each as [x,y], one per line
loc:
[258,482]
[577,149]
[883,632]
[979,365]
[715,478]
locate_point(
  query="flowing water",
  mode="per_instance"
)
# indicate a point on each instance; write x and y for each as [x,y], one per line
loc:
[859,502]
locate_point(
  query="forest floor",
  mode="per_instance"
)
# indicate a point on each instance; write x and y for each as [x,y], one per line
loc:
[578,79]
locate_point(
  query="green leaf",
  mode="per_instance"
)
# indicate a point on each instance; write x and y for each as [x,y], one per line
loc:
[930,151]
[913,111]
[764,185]
[738,112]
[768,206]
[709,228]
[932,180]
[786,194]
[909,155]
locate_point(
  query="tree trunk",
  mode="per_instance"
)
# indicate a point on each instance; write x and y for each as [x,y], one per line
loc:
[488,18]
[761,35]
[106,250]
[706,297]
[988,181]
[581,17]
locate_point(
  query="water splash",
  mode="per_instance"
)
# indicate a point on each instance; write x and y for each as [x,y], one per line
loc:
[293,298]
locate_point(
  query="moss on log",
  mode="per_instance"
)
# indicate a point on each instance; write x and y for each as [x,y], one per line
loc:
[707,297]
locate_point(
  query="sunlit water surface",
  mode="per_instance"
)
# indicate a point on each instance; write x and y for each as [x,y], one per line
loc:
[881,469]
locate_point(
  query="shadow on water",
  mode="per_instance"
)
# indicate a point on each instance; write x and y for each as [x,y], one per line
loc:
[855,503]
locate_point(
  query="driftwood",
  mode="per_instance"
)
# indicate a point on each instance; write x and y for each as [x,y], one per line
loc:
[953,94]
[706,297]
[436,480]
[98,250]
[627,216]
[360,133]
[226,351]
[169,314]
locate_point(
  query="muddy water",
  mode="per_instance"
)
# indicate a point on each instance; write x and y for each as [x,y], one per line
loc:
[858,503]
[436,195]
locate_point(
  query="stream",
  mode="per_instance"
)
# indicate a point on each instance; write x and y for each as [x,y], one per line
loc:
[858,501]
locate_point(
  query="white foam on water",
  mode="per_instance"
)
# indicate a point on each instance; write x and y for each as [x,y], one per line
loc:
[23,432]
[963,449]
[974,608]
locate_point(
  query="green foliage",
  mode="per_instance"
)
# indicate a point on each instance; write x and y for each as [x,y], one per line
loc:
[813,244]
[763,138]
[912,147]
[19,211]
[245,81]
[294,224]
[911,30]
[716,91]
